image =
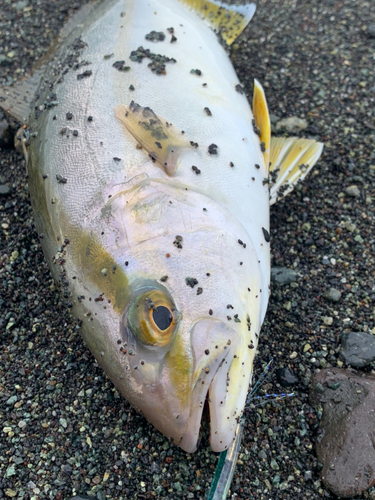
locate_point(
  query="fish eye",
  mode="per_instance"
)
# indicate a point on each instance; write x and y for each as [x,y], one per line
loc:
[152,317]
[162,317]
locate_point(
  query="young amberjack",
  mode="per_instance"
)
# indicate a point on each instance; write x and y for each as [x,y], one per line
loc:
[151,180]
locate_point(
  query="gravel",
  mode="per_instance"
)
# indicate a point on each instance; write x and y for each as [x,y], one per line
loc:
[315,60]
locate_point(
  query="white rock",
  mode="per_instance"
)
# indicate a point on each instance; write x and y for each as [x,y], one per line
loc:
[293,124]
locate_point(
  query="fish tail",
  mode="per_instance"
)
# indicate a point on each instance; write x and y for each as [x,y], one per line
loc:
[228,20]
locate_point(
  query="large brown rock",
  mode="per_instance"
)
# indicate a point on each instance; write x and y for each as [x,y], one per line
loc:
[346,445]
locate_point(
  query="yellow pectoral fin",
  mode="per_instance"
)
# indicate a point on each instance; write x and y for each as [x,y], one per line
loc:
[291,160]
[262,120]
[228,20]
[156,136]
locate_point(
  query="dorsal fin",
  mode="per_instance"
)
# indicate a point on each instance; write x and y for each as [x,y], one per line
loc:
[262,120]
[291,160]
[228,20]
[16,100]
[156,136]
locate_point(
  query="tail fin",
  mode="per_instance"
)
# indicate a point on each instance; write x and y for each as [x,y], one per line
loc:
[228,20]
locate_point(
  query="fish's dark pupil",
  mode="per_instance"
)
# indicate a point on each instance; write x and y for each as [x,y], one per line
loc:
[162,317]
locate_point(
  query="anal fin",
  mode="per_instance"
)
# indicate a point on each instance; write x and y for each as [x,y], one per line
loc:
[262,121]
[156,136]
[291,160]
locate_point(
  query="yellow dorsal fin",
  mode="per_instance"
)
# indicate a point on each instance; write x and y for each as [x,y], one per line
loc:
[228,20]
[262,120]
[156,136]
[291,160]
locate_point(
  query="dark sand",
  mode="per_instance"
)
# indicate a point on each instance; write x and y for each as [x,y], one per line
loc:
[65,427]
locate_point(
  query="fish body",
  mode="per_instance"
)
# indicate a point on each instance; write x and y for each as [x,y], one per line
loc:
[147,179]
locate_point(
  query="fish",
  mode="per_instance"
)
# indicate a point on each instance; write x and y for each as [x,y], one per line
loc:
[151,179]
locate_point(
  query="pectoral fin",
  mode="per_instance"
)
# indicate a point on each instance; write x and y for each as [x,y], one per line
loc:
[291,160]
[156,136]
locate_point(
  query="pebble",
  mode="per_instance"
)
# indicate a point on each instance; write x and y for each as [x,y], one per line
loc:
[10,493]
[22,4]
[350,226]
[353,191]
[274,465]
[306,347]
[343,447]
[293,125]
[82,497]
[371,31]
[12,400]
[286,377]
[11,471]
[308,475]
[14,256]
[267,484]
[332,295]
[6,135]
[5,190]
[274,119]
[358,348]
[63,423]
[4,61]
[262,455]
[283,275]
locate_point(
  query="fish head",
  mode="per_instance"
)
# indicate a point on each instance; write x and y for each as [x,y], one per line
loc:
[185,332]
[174,360]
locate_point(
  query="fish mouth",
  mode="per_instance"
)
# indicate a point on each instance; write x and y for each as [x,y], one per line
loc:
[214,346]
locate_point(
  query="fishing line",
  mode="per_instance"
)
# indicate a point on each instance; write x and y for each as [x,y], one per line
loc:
[228,459]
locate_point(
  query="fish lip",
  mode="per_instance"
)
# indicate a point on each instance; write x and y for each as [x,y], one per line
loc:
[213,346]
[219,363]
[190,436]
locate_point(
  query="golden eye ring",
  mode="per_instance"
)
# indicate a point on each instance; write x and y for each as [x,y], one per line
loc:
[161,317]
[153,318]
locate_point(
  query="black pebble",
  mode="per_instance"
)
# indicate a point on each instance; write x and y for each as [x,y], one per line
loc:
[266,235]
[286,377]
